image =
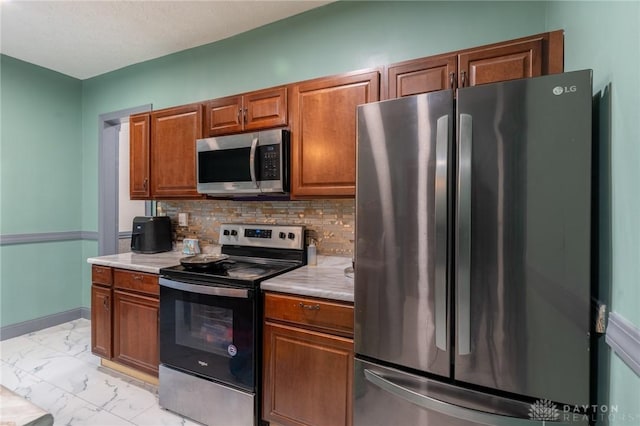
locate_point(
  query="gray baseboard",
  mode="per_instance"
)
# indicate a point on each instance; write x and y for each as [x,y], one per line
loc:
[15,330]
[624,339]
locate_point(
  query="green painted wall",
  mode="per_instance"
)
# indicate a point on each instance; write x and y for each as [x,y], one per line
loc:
[40,189]
[605,36]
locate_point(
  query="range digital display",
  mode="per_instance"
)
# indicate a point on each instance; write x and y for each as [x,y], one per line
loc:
[257,233]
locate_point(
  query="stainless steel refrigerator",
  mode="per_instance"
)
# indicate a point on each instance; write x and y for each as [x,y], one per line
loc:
[472,267]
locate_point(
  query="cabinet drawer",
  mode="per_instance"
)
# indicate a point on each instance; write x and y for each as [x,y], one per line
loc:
[315,313]
[101,275]
[137,281]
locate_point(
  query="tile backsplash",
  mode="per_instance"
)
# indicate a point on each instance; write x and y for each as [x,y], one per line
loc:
[331,222]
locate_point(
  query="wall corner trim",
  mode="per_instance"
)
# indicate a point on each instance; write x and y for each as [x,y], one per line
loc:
[624,338]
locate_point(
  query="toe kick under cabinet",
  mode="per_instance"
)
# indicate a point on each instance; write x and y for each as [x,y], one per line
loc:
[308,361]
[124,318]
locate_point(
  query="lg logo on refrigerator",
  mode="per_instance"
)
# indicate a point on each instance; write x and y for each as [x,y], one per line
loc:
[559,90]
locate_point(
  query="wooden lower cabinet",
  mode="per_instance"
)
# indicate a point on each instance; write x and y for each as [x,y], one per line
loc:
[124,318]
[135,331]
[307,371]
[101,307]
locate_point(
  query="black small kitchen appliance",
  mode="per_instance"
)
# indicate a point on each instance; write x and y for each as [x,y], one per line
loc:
[151,234]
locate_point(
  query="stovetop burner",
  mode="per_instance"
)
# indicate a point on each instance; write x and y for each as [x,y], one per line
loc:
[251,253]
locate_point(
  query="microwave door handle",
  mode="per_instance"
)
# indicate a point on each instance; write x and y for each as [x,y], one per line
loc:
[252,161]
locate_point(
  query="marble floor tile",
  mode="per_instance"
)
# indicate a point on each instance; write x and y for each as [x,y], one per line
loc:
[55,370]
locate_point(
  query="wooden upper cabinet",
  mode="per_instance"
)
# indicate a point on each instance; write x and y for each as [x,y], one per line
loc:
[223,116]
[531,56]
[139,133]
[265,108]
[506,62]
[173,151]
[421,76]
[323,133]
[261,109]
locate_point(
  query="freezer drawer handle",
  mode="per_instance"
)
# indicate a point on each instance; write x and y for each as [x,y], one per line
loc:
[447,409]
[442,144]
[463,255]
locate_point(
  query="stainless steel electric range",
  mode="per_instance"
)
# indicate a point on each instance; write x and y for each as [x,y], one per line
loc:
[210,323]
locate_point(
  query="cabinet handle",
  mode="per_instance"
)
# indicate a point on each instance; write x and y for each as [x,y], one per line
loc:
[137,277]
[238,116]
[464,78]
[309,307]
[245,116]
[144,184]
[452,80]
[105,303]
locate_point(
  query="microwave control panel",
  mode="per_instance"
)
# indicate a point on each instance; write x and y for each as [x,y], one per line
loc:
[269,162]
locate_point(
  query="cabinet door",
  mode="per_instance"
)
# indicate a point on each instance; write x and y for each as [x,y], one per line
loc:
[421,76]
[224,115]
[173,151]
[500,63]
[139,188]
[323,133]
[265,108]
[308,377]
[135,331]
[101,306]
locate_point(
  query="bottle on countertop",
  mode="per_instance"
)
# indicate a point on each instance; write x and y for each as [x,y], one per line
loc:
[312,258]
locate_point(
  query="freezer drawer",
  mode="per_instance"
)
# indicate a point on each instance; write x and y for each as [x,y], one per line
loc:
[385,396]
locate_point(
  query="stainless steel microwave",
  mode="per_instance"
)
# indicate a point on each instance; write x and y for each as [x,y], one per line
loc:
[244,164]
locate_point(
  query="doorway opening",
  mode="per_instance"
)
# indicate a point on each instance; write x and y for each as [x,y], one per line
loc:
[115,209]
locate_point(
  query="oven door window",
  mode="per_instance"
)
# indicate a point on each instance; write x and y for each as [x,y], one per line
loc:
[212,336]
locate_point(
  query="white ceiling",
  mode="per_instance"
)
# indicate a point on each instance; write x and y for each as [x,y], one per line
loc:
[88,38]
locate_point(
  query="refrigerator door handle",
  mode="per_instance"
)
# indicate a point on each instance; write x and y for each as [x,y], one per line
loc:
[442,145]
[463,258]
[445,408]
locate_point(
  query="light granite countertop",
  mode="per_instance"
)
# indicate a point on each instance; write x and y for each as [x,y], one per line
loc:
[150,263]
[327,280]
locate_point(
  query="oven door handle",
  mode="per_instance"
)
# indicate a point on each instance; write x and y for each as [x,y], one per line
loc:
[237,293]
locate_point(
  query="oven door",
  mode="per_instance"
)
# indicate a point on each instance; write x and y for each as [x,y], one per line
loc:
[248,163]
[209,330]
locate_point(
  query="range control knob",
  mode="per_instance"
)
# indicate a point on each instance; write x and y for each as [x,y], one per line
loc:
[234,232]
[225,232]
[292,236]
[282,235]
